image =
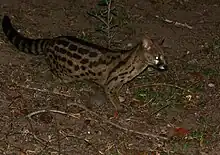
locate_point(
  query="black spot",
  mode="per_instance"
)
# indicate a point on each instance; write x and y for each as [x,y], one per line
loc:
[62,42]
[91,72]
[72,47]
[69,70]
[84,61]
[70,62]
[102,61]
[131,70]
[63,51]
[99,73]
[83,51]
[93,54]
[87,73]
[121,63]
[55,56]
[76,56]
[54,61]
[123,74]
[113,79]
[77,76]
[63,59]
[69,54]
[82,74]
[76,68]
[56,48]
[51,56]
[113,58]
[94,63]
[57,66]
[83,67]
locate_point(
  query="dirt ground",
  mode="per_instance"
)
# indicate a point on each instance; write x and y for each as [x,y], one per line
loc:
[174,112]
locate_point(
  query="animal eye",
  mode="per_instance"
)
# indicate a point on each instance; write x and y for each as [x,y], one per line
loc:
[157,58]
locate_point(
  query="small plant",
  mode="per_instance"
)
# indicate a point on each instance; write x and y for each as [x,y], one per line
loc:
[105,13]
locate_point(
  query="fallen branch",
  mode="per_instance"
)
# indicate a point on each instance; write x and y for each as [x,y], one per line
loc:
[118,126]
[174,22]
[53,111]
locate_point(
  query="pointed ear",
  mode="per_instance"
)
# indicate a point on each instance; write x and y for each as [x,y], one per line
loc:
[146,42]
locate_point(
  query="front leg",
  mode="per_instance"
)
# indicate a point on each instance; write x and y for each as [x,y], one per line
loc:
[112,94]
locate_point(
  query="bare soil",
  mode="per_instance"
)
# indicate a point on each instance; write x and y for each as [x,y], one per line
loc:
[40,115]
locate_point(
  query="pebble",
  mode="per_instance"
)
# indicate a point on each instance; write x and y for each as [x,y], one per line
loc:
[211,85]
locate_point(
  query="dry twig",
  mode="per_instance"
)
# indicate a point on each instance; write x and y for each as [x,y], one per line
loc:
[165,106]
[99,18]
[118,126]
[174,22]
[53,111]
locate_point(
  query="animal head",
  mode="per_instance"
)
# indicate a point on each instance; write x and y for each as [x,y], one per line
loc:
[154,54]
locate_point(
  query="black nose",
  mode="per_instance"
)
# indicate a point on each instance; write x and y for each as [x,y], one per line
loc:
[163,67]
[166,67]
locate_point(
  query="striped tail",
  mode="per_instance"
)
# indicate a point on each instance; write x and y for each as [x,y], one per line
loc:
[27,45]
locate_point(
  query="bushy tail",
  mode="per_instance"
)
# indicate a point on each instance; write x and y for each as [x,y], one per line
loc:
[27,45]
